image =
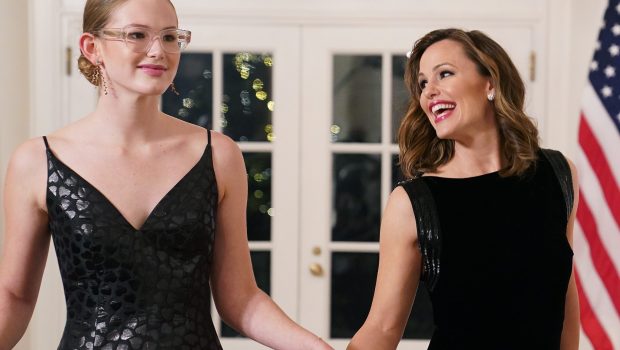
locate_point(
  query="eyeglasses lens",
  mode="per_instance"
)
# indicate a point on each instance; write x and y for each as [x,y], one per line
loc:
[171,40]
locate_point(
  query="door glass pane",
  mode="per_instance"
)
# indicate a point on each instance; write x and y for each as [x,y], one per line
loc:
[357,99]
[400,94]
[420,324]
[357,197]
[353,282]
[397,174]
[259,210]
[247,102]
[261,264]
[194,83]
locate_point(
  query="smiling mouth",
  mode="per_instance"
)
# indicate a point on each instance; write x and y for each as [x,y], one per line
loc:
[442,110]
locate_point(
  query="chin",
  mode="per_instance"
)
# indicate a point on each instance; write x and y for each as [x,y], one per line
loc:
[443,134]
[152,90]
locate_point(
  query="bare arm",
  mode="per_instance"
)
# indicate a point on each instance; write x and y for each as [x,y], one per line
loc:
[397,279]
[239,301]
[26,241]
[570,331]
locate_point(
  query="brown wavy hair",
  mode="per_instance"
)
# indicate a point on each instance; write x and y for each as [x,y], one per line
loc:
[96,16]
[422,151]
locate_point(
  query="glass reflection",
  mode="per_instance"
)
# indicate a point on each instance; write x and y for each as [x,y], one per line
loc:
[261,264]
[247,103]
[194,83]
[353,280]
[259,210]
[357,99]
[356,206]
[397,174]
[420,324]
[400,94]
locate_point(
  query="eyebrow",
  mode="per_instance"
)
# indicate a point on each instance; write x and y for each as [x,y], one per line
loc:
[436,67]
[442,64]
[146,26]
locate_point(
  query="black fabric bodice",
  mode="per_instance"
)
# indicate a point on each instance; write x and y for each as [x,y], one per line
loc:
[128,288]
[500,263]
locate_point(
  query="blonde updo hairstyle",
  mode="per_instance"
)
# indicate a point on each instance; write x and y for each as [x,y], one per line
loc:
[422,151]
[96,16]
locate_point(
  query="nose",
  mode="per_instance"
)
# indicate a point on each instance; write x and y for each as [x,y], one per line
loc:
[430,90]
[155,48]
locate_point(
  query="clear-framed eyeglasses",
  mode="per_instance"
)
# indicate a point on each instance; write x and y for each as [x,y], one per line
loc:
[140,39]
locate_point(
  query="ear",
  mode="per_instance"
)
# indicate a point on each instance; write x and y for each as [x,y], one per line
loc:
[89,48]
[490,91]
[490,87]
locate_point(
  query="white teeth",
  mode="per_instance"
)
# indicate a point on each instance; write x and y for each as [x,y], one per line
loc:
[442,106]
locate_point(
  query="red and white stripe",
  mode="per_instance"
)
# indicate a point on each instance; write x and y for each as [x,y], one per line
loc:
[596,232]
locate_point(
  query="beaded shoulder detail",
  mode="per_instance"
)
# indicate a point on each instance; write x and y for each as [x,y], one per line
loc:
[560,167]
[428,227]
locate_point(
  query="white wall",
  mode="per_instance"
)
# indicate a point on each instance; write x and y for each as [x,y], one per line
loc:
[14,90]
[14,73]
[586,19]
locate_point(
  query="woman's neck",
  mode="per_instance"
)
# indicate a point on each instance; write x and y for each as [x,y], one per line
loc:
[478,155]
[128,120]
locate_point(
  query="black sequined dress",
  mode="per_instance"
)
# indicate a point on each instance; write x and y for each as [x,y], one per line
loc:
[496,260]
[128,288]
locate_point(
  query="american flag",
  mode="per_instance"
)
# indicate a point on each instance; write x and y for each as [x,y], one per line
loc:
[596,231]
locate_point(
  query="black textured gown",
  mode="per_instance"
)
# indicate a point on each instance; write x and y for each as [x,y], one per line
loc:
[128,288]
[496,260]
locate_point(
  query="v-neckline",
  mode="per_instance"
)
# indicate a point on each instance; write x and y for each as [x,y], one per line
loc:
[115,208]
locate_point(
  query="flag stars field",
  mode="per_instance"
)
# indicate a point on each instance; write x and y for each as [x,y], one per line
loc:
[610,72]
[606,91]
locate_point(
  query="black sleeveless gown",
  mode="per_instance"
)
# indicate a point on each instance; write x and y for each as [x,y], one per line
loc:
[128,288]
[496,259]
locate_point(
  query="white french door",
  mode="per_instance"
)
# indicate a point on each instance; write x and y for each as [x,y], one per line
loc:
[315,109]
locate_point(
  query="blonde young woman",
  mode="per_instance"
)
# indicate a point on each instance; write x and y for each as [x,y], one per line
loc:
[147,213]
[486,219]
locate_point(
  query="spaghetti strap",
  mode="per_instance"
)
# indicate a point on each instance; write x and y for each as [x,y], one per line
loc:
[47,146]
[209,137]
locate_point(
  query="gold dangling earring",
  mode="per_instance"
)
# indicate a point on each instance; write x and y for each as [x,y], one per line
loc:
[99,78]
[174,89]
[105,86]
[95,76]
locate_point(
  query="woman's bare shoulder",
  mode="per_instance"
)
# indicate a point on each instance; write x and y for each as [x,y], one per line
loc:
[224,144]
[75,133]
[27,168]
[398,217]
[29,155]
